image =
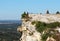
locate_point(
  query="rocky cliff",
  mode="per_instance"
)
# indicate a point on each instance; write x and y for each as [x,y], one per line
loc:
[29,32]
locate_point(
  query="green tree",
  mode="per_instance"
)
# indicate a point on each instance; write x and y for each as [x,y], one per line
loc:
[47,12]
[24,15]
[57,12]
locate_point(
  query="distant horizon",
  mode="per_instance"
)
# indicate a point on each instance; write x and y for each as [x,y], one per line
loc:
[12,9]
[10,20]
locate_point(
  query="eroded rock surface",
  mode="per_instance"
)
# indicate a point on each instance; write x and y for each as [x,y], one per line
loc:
[29,32]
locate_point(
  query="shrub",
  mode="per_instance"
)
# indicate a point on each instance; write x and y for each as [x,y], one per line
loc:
[40,26]
[45,36]
[33,22]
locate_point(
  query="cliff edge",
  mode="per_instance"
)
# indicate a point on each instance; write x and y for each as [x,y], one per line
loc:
[30,30]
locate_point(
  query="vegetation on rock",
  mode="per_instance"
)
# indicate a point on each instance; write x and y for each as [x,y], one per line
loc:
[25,15]
[47,28]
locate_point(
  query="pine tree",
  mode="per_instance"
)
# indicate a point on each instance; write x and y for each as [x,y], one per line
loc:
[57,12]
[47,12]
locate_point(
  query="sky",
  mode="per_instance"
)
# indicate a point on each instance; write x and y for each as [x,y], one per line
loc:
[12,9]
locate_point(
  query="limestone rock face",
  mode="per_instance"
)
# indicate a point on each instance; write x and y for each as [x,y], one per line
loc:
[47,18]
[50,39]
[29,32]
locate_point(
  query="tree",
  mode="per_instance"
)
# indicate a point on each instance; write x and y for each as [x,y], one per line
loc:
[24,15]
[47,12]
[40,13]
[57,12]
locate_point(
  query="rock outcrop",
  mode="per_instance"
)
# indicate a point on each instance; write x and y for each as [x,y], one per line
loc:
[29,32]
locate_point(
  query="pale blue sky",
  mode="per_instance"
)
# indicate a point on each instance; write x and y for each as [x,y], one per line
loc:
[12,9]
